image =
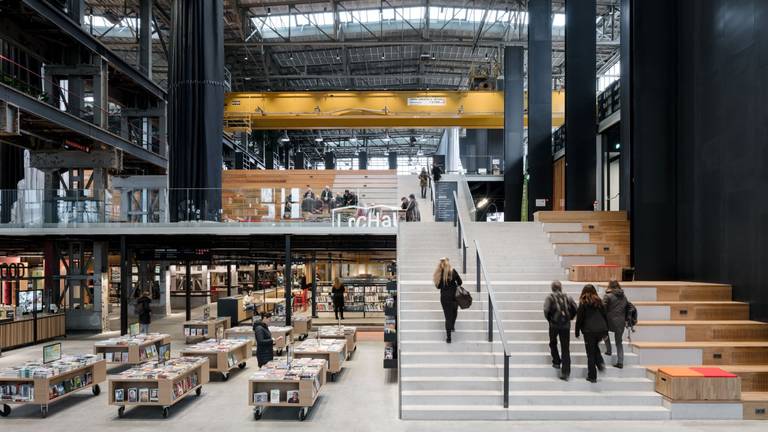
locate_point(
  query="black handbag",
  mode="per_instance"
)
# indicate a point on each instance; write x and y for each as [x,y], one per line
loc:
[463,297]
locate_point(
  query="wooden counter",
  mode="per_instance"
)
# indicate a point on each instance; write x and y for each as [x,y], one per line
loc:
[20,331]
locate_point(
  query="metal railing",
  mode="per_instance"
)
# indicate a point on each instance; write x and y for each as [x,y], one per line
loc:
[493,316]
[461,238]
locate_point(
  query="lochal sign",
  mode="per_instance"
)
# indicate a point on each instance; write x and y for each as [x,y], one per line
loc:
[378,216]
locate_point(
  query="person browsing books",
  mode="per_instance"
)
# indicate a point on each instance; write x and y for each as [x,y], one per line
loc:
[264,342]
[337,296]
[447,280]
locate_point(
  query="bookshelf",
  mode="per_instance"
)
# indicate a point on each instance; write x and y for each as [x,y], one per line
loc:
[199,330]
[390,327]
[158,384]
[346,333]
[303,378]
[131,349]
[34,383]
[223,356]
[363,296]
[333,351]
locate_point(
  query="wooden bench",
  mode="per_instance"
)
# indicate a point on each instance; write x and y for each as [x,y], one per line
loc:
[594,273]
[698,384]
[718,353]
[702,310]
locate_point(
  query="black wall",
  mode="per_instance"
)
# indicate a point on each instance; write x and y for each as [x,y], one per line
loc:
[699,128]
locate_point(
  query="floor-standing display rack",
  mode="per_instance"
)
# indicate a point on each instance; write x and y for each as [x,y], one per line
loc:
[390,327]
[334,351]
[131,349]
[346,333]
[36,383]
[281,384]
[158,384]
[223,356]
[199,330]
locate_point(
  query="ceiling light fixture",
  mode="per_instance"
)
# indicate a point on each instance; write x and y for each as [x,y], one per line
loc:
[285,138]
[319,138]
[482,203]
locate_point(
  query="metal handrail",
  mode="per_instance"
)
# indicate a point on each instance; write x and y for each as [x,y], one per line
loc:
[432,197]
[493,315]
[461,227]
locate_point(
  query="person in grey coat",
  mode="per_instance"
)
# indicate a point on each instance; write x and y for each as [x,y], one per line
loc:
[412,213]
[616,311]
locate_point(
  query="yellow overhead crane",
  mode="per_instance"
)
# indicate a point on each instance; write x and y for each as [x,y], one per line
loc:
[371,109]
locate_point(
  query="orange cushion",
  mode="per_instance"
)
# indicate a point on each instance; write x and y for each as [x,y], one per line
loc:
[680,372]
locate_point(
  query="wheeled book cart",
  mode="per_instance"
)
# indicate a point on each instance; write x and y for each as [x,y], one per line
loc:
[308,388]
[166,384]
[331,350]
[347,333]
[246,332]
[130,351]
[301,327]
[46,389]
[199,330]
[223,356]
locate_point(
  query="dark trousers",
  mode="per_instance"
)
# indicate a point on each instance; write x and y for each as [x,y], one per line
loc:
[423,192]
[594,358]
[563,360]
[338,309]
[450,310]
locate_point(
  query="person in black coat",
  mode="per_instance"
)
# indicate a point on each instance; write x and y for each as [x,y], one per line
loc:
[559,310]
[447,280]
[337,295]
[436,173]
[265,345]
[144,311]
[591,320]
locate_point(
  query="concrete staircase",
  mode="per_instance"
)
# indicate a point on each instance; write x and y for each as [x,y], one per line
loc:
[464,380]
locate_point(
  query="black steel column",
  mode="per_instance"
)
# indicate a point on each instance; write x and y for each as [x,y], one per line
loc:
[392,156]
[11,171]
[145,37]
[125,283]
[362,160]
[330,160]
[188,291]
[256,274]
[513,132]
[196,107]
[625,157]
[298,160]
[269,156]
[539,104]
[314,285]
[229,280]
[288,281]
[580,115]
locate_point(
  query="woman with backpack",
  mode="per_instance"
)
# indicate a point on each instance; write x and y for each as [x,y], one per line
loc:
[447,280]
[591,320]
[559,310]
[616,310]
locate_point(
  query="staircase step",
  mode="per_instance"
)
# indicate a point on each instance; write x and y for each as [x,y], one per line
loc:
[518,383]
[517,370]
[530,397]
[533,357]
[539,412]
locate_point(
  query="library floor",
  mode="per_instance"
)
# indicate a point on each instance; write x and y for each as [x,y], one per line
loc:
[363,399]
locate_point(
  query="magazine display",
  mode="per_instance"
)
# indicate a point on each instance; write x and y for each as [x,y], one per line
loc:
[214,346]
[335,331]
[25,391]
[176,370]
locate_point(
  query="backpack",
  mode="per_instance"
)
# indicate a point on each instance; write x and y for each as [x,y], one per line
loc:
[631,314]
[565,310]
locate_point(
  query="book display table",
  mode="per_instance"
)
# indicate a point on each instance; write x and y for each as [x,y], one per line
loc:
[158,384]
[278,384]
[334,351]
[223,355]
[199,330]
[246,332]
[131,349]
[301,327]
[35,383]
[347,333]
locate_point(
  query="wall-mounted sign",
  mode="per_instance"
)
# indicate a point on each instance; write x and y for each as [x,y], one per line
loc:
[379,216]
[77,146]
[426,101]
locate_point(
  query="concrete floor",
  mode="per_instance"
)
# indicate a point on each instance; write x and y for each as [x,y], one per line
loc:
[364,398]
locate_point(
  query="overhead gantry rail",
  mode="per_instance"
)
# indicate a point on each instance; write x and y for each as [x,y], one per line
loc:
[370,110]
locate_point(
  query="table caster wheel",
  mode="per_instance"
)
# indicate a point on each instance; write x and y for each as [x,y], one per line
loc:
[302,414]
[333,377]
[43,411]
[166,411]
[225,376]
[257,413]
[121,412]
[96,390]
[198,391]
[241,365]
[6,411]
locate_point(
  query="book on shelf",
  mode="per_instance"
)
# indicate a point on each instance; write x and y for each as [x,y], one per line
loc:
[153,395]
[293,396]
[119,395]
[260,397]
[133,395]
[274,396]
[144,395]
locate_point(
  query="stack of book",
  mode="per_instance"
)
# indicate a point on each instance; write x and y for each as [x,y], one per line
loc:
[222,345]
[171,369]
[196,331]
[39,370]
[320,346]
[335,331]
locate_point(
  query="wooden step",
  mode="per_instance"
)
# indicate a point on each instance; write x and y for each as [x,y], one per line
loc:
[579,216]
[719,352]
[606,226]
[683,291]
[609,237]
[705,331]
[702,310]
[755,405]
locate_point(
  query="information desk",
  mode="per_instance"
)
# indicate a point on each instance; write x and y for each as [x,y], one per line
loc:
[131,349]
[20,331]
[246,332]
[199,330]
[348,333]
[301,326]
[223,355]
[278,384]
[233,308]
[158,384]
[35,383]
[333,351]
